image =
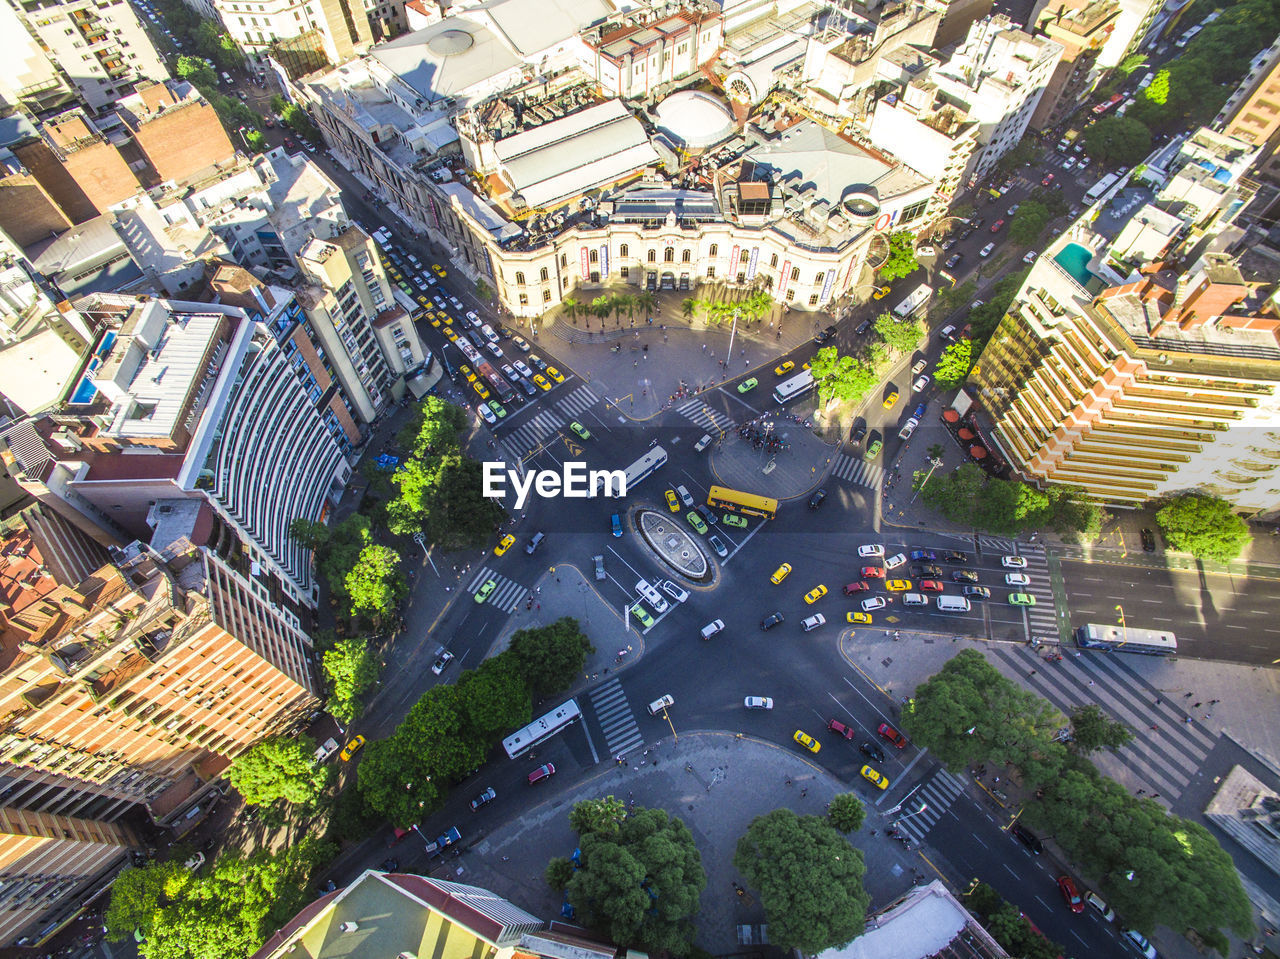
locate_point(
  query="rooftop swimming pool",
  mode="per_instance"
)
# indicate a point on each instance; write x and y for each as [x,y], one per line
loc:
[85,391]
[1075,258]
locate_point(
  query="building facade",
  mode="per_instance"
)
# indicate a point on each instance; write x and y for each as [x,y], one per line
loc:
[1081,28]
[341,27]
[1252,112]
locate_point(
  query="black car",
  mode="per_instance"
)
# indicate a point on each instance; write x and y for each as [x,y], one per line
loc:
[1027,838]
[770,621]
[483,799]
[955,556]
[859,432]
[964,576]
[706,514]
[1148,540]
[863,327]
[927,572]
[816,499]
[872,751]
[976,592]
[525,387]
[953,259]
[390,865]
[825,335]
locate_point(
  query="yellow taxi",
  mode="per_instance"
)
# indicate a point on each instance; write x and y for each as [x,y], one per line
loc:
[451,336]
[351,748]
[807,741]
[876,777]
[541,381]
[504,545]
[423,300]
[781,573]
[897,585]
[555,374]
[673,501]
[782,369]
[860,618]
[438,270]
[880,293]
[890,399]
[467,372]
[815,594]
[434,320]
[481,389]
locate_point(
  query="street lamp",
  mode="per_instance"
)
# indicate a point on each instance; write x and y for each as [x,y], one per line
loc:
[1123,625]
[901,819]
[934,463]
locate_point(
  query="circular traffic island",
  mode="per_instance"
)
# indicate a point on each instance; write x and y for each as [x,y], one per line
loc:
[674,543]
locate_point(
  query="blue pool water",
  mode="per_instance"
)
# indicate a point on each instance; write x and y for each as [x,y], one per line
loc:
[1075,258]
[85,391]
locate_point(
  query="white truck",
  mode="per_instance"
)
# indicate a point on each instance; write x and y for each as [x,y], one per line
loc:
[327,749]
[918,298]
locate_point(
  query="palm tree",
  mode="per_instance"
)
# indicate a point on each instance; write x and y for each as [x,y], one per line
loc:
[645,301]
[623,301]
[571,306]
[688,306]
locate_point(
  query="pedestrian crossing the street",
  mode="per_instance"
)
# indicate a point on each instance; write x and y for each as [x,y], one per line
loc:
[857,470]
[532,433]
[936,795]
[506,595]
[617,721]
[706,417]
[577,402]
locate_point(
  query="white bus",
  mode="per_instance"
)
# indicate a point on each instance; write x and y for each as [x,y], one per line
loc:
[918,298]
[798,385]
[638,470]
[1102,186]
[542,729]
[1126,639]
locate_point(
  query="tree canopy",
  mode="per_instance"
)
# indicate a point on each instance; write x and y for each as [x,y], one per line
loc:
[1009,507]
[279,768]
[1123,141]
[902,257]
[350,668]
[1092,729]
[809,878]
[638,879]
[1203,526]
[843,378]
[846,812]
[899,337]
[1029,222]
[551,657]
[954,364]
[375,584]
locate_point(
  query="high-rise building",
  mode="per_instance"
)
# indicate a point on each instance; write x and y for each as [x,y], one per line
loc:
[340,28]
[100,46]
[28,78]
[1252,112]
[123,698]
[1081,28]
[192,401]
[998,75]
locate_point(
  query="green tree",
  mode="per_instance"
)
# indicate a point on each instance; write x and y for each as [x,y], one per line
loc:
[641,885]
[558,873]
[842,378]
[1119,140]
[138,894]
[311,535]
[494,697]
[1092,729]
[809,878]
[599,816]
[898,337]
[1132,62]
[197,71]
[459,515]
[483,290]
[279,768]
[435,427]
[846,812]
[1022,154]
[1203,526]
[350,668]
[969,713]
[1073,515]
[340,554]
[297,120]
[954,364]
[551,657]
[375,584]
[1158,89]
[902,257]
[688,306]
[986,317]
[1029,222]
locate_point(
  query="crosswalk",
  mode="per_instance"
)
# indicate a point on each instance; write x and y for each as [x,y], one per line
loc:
[533,432]
[578,402]
[855,469]
[506,595]
[1042,617]
[705,416]
[617,721]
[936,795]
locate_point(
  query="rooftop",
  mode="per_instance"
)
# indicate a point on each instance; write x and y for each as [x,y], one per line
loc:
[922,924]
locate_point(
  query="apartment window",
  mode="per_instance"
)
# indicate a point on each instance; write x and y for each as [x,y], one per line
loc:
[813,300]
[715,248]
[686,256]
[819,278]
[791,294]
[524,299]
[914,211]
[622,250]
[564,260]
[773,261]
[593,256]
[543,275]
[546,296]
[519,278]
[795,274]
[669,255]
[653,256]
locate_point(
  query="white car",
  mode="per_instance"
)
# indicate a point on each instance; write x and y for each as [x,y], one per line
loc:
[1139,940]
[1030,257]
[813,622]
[1013,562]
[921,382]
[495,349]
[674,591]
[758,702]
[894,561]
[442,661]
[456,303]
[523,368]
[908,428]
[486,414]
[1017,579]
[871,549]
[986,250]
[473,319]
[918,366]
[873,603]
[508,372]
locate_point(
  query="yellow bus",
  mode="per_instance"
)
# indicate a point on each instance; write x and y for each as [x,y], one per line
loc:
[722,497]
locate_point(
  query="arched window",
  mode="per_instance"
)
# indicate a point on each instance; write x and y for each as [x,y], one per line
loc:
[819,278]
[795,274]
[714,248]
[519,278]
[773,261]
[564,260]
[544,276]
[622,250]
[653,256]
[593,256]
[669,255]
[686,256]
[744,256]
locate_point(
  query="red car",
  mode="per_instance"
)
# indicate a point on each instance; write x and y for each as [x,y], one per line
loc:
[891,734]
[995,227]
[840,728]
[1047,180]
[858,587]
[1071,894]
[931,585]
[872,572]
[541,773]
